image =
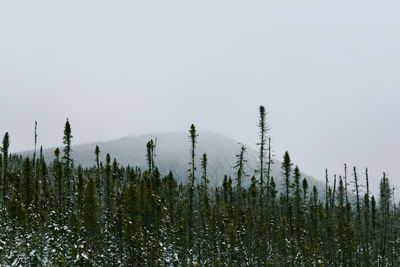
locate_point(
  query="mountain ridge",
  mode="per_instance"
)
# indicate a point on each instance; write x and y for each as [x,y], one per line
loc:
[173,154]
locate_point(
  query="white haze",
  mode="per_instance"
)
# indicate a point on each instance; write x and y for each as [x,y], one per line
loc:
[327,72]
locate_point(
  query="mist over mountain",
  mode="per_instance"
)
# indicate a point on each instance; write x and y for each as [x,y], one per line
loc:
[173,153]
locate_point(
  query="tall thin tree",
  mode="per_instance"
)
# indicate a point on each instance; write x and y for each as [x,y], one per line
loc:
[5,146]
[239,166]
[67,157]
[287,170]
[34,151]
[263,131]
[192,172]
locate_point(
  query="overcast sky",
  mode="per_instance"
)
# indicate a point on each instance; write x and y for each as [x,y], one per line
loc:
[328,73]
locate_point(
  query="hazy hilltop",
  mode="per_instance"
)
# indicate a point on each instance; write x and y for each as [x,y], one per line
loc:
[173,153]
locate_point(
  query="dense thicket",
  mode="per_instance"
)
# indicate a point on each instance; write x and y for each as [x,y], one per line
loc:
[59,214]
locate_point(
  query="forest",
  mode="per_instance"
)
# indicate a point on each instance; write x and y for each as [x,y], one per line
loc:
[60,214]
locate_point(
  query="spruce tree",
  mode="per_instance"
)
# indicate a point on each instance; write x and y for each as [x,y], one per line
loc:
[90,213]
[192,172]
[150,155]
[108,186]
[59,181]
[98,179]
[384,203]
[34,151]
[5,146]
[67,157]
[297,201]
[239,166]
[345,183]
[269,166]
[263,131]
[358,212]
[206,204]
[367,230]
[27,183]
[287,170]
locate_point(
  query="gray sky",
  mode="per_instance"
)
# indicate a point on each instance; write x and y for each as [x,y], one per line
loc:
[327,72]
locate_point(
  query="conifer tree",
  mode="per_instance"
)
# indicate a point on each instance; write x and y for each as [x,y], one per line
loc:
[358,212]
[58,177]
[239,166]
[171,185]
[345,183]
[192,172]
[5,146]
[34,151]
[98,179]
[44,179]
[263,131]
[163,222]
[297,200]
[287,170]
[80,187]
[384,202]
[150,154]
[206,204]
[91,213]
[27,183]
[367,230]
[108,185]
[326,192]
[305,189]
[67,158]
[269,166]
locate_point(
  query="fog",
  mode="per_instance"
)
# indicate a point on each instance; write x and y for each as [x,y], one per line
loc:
[327,73]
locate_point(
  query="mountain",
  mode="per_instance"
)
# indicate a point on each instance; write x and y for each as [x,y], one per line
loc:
[173,153]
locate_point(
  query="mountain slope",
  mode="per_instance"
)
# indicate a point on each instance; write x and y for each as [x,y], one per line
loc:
[173,153]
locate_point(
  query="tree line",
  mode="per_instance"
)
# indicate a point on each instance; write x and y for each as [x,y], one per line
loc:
[59,214]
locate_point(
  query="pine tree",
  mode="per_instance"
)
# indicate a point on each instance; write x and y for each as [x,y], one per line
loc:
[150,155]
[297,202]
[269,166]
[206,204]
[80,187]
[90,213]
[34,151]
[358,213]
[263,130]
[345,183]
[59,181]
[171,196]
[326,192]
[367,256]
[108,186]
[287,170]
[27,183]
[384,202]
[239,166]
[98,179]
[5,146]
[45,192]
[67,159]
[192,172]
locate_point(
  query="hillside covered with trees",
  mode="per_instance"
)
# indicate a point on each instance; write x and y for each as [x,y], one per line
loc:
[59,213]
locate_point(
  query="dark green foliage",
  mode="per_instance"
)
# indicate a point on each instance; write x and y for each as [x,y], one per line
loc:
[113,215]
[287,171]
[67,159]
[239,166]
[90,213]
[150,156]
[192,177]
[5,177]
[27,182]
